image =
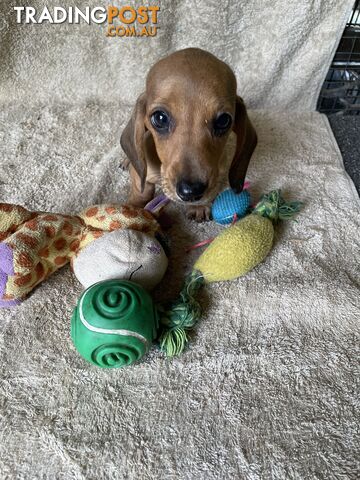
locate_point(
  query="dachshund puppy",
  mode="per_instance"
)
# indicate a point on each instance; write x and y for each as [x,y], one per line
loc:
[179,129]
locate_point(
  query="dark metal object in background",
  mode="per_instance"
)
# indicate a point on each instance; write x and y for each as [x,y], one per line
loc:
[340,93]
[346,129]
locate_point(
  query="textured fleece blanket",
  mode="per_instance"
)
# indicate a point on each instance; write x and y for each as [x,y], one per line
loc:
[280,50]
[269,386]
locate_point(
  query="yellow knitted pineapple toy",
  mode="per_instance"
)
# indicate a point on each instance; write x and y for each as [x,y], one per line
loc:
[236,251]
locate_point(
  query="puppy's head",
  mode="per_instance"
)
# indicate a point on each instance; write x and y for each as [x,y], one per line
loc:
[184,118]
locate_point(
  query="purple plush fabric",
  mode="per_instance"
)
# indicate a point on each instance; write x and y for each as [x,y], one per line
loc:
[6,269]
[6,259]
[9,303]
[3,280]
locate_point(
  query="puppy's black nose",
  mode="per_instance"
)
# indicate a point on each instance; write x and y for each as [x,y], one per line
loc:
[190,191]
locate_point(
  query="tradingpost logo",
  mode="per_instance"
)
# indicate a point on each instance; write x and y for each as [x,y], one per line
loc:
[123,21]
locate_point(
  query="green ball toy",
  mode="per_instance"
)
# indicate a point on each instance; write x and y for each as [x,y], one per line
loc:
[114,323]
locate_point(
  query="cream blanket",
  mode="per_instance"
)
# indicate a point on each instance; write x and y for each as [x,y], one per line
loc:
[267,389]
[280,50]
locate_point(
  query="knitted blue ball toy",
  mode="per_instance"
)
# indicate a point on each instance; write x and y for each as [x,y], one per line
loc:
[228,203]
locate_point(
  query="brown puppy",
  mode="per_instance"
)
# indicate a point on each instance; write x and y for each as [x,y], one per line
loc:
[177,134]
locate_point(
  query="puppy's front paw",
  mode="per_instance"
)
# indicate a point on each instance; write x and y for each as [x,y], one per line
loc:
[124,163]
[199,213]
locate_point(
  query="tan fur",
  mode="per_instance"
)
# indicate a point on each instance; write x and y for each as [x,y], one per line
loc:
[194,86]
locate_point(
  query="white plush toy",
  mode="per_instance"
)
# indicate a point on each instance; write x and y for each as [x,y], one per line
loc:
[126,254]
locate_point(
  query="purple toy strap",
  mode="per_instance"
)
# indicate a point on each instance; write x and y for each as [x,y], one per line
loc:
[157,203]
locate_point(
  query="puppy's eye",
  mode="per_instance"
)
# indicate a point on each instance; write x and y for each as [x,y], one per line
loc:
[222,124]
[160,121]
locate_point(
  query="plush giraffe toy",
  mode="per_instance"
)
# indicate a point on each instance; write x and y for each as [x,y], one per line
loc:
[33,245]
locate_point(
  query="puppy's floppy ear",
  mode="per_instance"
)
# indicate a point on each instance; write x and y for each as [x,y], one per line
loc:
[245,145]
[133,137]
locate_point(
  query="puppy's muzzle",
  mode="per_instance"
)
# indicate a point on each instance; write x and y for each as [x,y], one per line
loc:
[190,191]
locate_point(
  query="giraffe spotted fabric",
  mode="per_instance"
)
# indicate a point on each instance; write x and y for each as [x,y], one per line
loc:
[33,245]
